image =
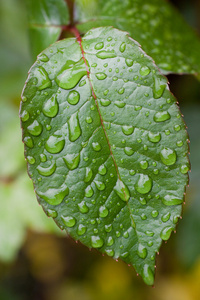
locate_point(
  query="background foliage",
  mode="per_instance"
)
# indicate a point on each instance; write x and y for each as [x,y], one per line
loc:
[38,265]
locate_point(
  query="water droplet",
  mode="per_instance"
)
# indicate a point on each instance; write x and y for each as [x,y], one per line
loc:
[99,46]
[171,200]
[55,144]
[73,97]
[96,146]
[122,47]
[74,127]
[100,185]
[96,241]
[108,228]
[106,54]
[129,62]
[144,71]
[105,92]
[144,164]
[175,219]
[47,171]
[144,184]
[128,151]
[54,196]
[50,108]
[88,174]
[165,217]
[81,229]
[142,251]
[154,213]
[122,190]
[83,207]
[24,116]
[31,160]
[179,143]
[43,78]
[28,141]
[110,252]
[142,201]
[101,76]
[121,91]
[68,221]
[89,191]
[132,172]
[168,156]
[105,102]
[127,129]
[102,170]
[88,120]
[184,169]
[103,212]
[161,116]
[35,128]
[52,213]
[143,216]
[72,160]
[166,232]
[177,127]
[154,137]
[158,87]
[149,233]
[120,104]
[43,57]
[147,275]
[82,83]
[110,241]
[43,157]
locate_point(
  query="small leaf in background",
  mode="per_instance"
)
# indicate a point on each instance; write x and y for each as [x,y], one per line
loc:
[106,145]
[155,24]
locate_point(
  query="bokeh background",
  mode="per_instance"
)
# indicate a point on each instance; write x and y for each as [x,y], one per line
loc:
[37,260]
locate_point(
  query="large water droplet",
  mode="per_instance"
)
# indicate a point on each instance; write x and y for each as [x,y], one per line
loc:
[101,76]
[171,200]
[106,54]
[105,102]
[96,146]
[54,196]
[35,128]
[154,137]
[74,127]
[147,275]
[83,207]
[68,221]
[73,97]
[24,116]
[47,171]
[96,241]
[166,232]
[100,185]
[122,190]
[142,251]
[103,211]
[168,156]
[88,174]
[120,104]
[162,116]
[89,191]
[81,229]
[158,87]
[99,46]
[71,74]
[50,108]
[144,184]
[102,170]
[43,78]
[55,144]
[144,71]
[72,160]
[127,129]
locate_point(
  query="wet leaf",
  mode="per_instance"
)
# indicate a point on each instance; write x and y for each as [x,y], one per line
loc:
[106,145]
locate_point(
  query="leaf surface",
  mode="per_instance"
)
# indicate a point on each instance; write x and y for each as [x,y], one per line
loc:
[155,24]
[106,145]
[45,20]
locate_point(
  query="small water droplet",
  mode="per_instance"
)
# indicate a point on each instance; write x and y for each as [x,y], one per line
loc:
[144,184]
[96,241]
[179,143]
[177,127]
[54,196]
[28,141]
[147,275]
[132,172]
[72,160]
[101,76]
[154,213]
[128,151]
[24,116]
[52,213]
[68,221]
[83,208]
[120,104]
[110,252]
[121,91]
[168,156]
[43,57]
[171,200]
[106,54]
[129,62]
[89,120]
[102,170]
[103,211]
[108,228]
[110,241]
[122,190]
[43,78]
[165,217]
[31,160]
[99,46]
[81,229]
[122,47]
[166,232]
[144,71]
[96,146]
[154,137]
[74,127]
[50,108]
[142,251]
[158,87]
[184,169]
[144,164]
[73,97]
[47,171]
[35,128]
[88,174]
[162,116]
[43,157]
[55,144]
[105,102]
[100,185]
[89,191]
[149,233]
[127,130]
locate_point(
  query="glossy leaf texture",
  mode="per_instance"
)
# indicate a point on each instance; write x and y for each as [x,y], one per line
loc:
[45,20]
[106,145]
[155,24]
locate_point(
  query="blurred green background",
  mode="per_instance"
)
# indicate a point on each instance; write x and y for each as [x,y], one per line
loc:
[37,260]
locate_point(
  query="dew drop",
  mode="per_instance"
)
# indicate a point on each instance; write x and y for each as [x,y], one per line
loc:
[72,160]
[165,217]
[177,127]
[144,164]
[122,190]
[88,174]
[129,62]
[24,116]
[144,71]
[68,221]
[96,241]
[43,57]
[165,233]
[158,87]
[83,207]
[110,252]
[89,191]
[47,171]
[88,120]
[120,104]
[108,228]
[154,137]
[50,108]
[81,229]
[110,241]
[100,185]
[35,128]
[171,200]
[184,169]
[105,102]
[147,275]
[43,78]
[154,213]
[28,141]
[74,127]
[122,47]
[31,160]
[128,151]
[52,213]
[103,211]
[179,143]
[121,91]
[101,76]
[73,97]
[149,233]
[55,144]
[132,172]
[102,170]
[127,130]
[161,116]
[96,146]
[54,196]
[99,46]
[141,251]
[106,54]
[144,184]
[43,157]
[168,156]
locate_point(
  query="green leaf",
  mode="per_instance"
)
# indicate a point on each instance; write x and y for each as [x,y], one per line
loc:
[106,145]
[155,24]
[45,20]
